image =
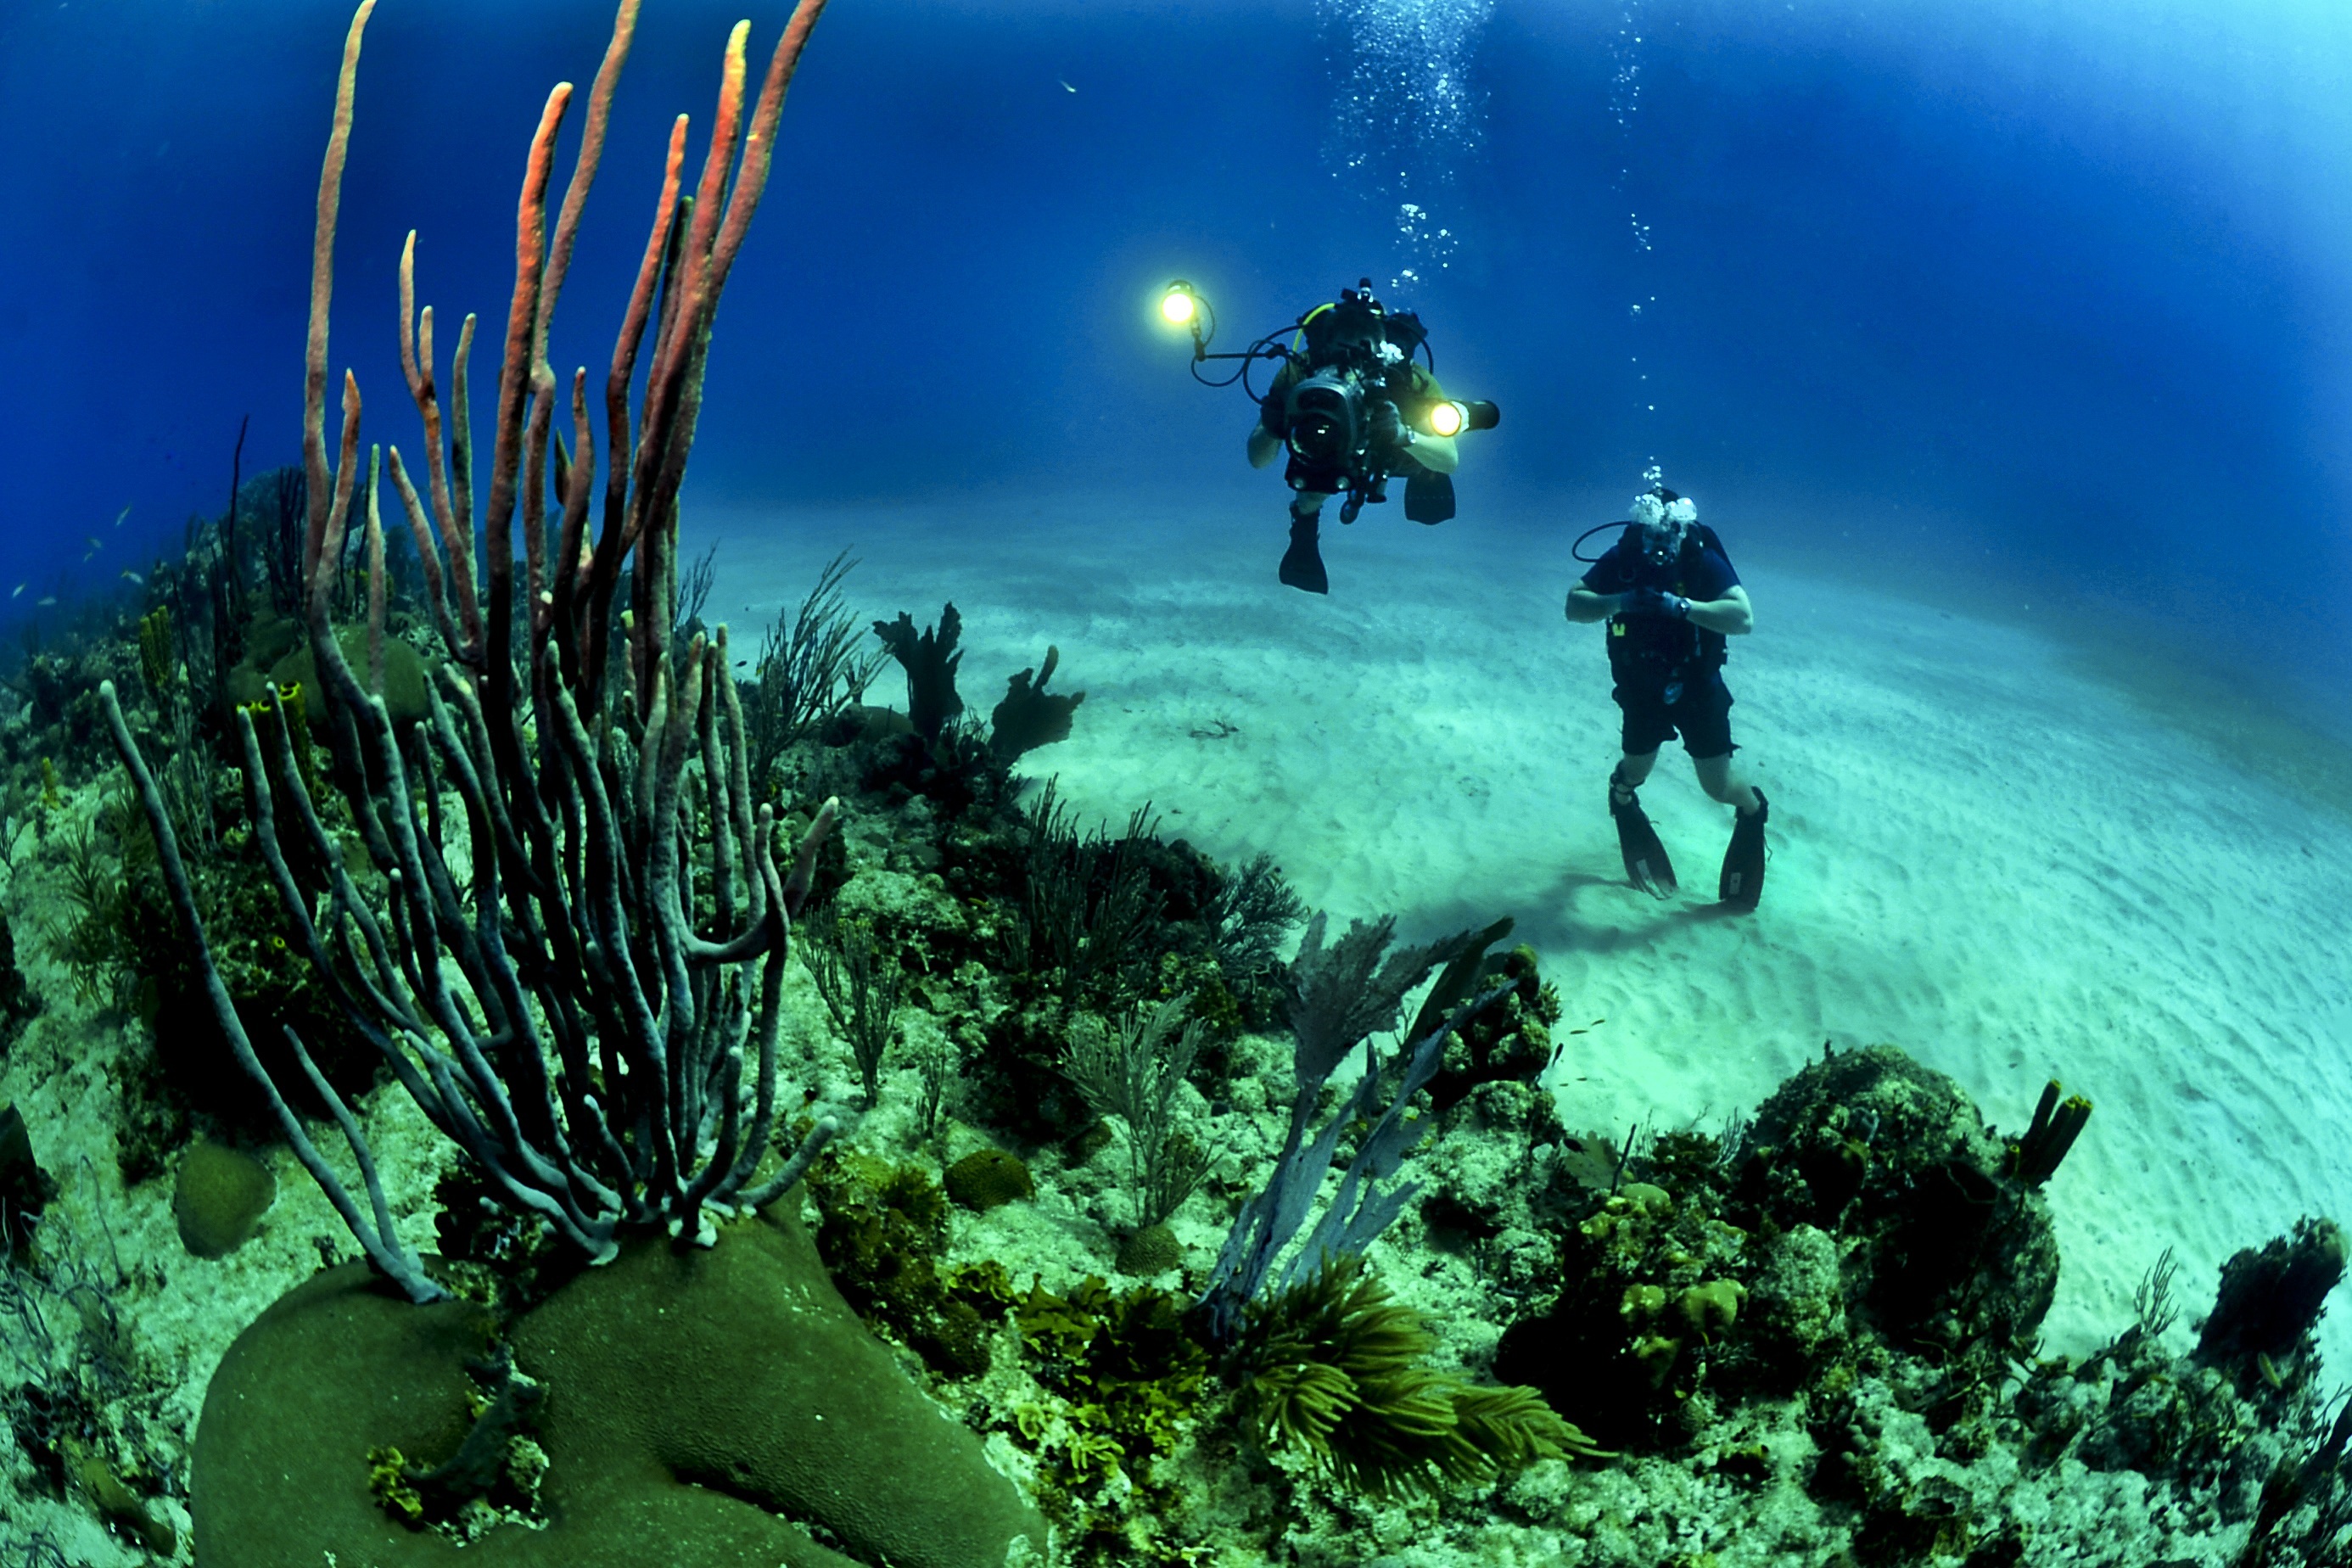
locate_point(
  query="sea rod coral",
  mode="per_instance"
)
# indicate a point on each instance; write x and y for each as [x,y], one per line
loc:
[542,976]
[549,903]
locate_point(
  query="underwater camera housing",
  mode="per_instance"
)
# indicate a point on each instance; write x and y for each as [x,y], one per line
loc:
[1325,425]
[1344,418]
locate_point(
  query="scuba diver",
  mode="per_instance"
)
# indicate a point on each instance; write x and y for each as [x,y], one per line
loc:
[1352,409]
[1672,599]
[1355,333]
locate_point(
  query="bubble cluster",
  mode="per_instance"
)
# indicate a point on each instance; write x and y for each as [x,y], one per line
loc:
[1625,70]
[1624,107]
[1426,241]
[1405,115]
[1625,102]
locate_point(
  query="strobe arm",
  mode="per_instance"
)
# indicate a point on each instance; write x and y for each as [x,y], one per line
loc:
[1200,351]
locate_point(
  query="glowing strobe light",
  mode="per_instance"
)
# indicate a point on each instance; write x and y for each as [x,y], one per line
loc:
[1177,307]
[1447,420]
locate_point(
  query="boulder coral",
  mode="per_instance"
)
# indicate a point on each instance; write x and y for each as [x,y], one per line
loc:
[702,1409]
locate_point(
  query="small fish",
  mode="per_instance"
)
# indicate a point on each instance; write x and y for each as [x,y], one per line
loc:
[20,590]
[94,545]
[135,580]
[119,517]
[46,600]
[1066,86]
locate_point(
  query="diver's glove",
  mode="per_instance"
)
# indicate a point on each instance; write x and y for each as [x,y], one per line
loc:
[1388,425]
[1657,602]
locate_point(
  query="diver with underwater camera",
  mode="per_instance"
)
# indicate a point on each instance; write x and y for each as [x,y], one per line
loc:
[1352,409]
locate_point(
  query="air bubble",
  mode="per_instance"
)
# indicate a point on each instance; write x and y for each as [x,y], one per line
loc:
[1405,103]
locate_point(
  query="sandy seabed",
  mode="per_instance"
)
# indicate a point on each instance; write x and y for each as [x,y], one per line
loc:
[2010,869]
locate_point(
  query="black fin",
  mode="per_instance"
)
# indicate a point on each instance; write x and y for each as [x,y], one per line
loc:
[1646,865]
[1428,497]
[1743,862]
[1302,564]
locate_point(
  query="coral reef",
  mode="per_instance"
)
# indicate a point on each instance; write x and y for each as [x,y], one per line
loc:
[593,972]
[1118,1384]
[1863,1220]
[493,830]
[79,1396]
[1134,1073]
[882,1236]
[2260,1328]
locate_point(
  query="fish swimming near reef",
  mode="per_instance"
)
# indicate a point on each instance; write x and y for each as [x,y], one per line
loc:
[118,518]
[133,578]
[46,600]
[19,591]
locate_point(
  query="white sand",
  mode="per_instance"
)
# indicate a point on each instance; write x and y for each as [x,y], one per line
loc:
[2008,869]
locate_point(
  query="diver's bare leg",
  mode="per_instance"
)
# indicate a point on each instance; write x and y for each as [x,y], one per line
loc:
[1632,769]
[1723,780]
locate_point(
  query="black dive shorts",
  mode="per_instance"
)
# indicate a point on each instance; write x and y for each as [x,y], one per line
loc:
[1701,715]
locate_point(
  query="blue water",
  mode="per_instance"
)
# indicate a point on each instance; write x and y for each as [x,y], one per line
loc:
[2051,301]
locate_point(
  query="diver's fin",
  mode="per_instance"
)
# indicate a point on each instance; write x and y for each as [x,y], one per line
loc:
[1743,863]
[1646,865]
[1428,497]
[1302,564]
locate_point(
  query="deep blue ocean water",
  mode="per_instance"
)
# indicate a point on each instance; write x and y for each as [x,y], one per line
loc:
[2048,302]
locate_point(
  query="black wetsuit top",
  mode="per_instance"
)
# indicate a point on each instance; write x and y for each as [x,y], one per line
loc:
[1649,651]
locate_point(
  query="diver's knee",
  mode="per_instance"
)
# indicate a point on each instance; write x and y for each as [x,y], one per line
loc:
[1719,779]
